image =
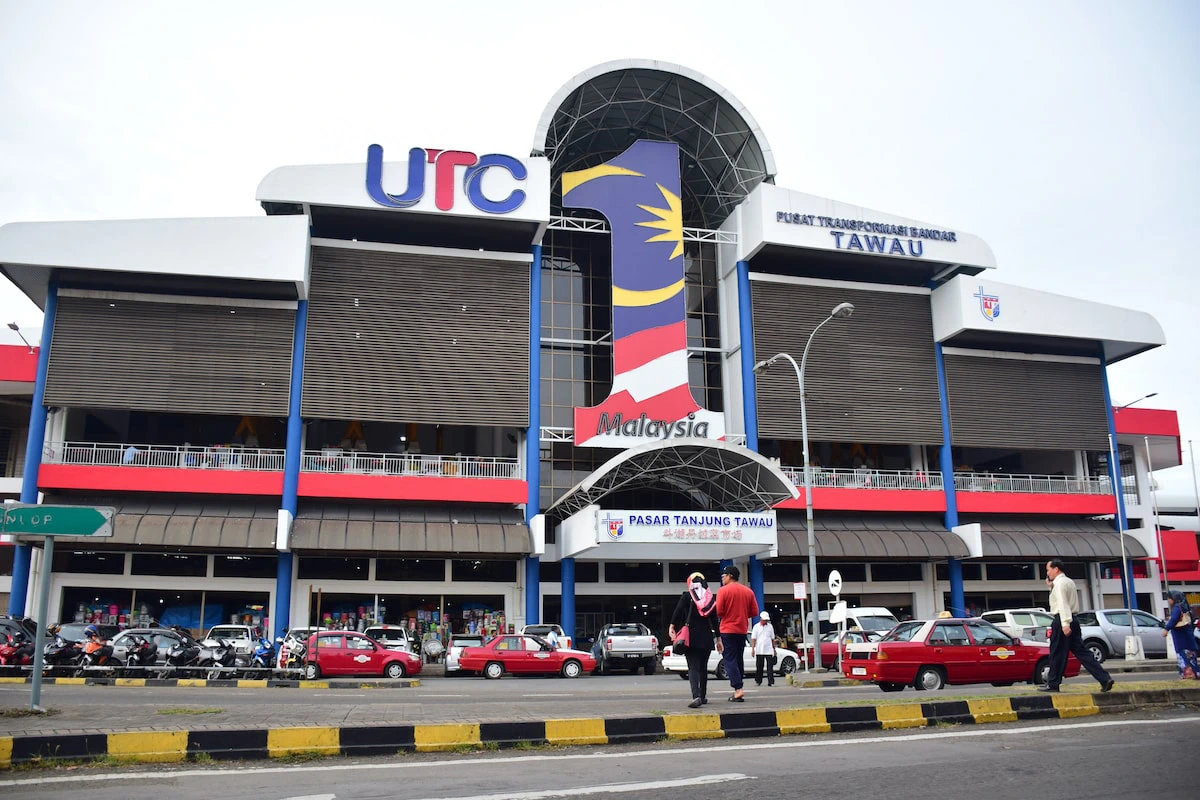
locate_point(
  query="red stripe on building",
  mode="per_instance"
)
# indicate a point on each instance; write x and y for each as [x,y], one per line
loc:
[426,488]
[1146,422]
[1013,503]
[17,364]
[155,479]
[645,346]
[833,499]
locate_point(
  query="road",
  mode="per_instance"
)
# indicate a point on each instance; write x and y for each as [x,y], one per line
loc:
[1111,757]
[437,700]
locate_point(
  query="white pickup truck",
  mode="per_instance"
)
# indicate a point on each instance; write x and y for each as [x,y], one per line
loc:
[625,645]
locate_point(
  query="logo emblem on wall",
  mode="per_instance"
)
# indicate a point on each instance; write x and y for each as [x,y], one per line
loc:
[989,305]
[638,192]
[616,527]
[444,163]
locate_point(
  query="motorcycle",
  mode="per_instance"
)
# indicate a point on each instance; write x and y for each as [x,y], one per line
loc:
[294,654]
[263,660]
[61,653]
[95,654]
[140,654]
[16,651]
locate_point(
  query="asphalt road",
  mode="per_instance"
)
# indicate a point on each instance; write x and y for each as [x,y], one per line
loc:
[1113,757]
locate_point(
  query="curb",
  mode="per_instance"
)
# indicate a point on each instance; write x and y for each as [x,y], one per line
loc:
[226,683]
[261,743]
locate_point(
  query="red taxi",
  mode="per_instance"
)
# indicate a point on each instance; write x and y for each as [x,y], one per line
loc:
[524,655]
[349,653]
[928,655]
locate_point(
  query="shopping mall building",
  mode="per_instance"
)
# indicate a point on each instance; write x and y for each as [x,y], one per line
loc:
[453,386]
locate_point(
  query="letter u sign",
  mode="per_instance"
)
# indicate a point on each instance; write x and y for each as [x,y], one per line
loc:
[444,163]
[638,192]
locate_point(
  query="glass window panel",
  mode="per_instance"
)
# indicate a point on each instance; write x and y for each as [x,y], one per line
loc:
[89,561]
[410,569]
[174,564]
[465,570]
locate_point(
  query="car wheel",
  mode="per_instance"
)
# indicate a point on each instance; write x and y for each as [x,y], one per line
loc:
[1041,672]
[311,671]
[493,670]
[394,670]
[930,679]
[649,666]
[787,666]
[892,687]
[571,669]
[721,674]
[1097,649]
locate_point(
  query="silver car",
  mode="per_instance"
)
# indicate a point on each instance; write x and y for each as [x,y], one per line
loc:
[459,642]
[165,638]
[1021,623]
[1104,631]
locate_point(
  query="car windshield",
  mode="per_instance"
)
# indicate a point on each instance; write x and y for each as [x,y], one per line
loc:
[229,633]
[625,630]
[904,632]
[881,624]
[540,630]
[388,636]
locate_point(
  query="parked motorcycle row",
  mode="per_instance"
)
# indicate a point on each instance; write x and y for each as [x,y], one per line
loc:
[140,658]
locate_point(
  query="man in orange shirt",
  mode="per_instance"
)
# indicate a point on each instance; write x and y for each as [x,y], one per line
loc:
[736,606]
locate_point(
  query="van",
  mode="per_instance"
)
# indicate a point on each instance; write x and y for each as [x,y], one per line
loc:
[868,618]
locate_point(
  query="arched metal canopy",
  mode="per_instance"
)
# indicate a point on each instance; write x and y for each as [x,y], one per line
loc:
[717,475]
[601,111]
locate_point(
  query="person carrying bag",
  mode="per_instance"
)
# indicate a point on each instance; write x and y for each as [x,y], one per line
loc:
[693,625]
[1180,627]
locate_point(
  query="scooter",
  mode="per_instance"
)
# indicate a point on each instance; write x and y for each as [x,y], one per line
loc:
[61,653]
[16,651]
[263,660]
[140,654]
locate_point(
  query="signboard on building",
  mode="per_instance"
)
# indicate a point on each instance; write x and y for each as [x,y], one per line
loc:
[643,534]
[638,192]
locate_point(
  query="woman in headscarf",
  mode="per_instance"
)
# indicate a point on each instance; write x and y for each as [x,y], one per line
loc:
[1182,631]
[696,610]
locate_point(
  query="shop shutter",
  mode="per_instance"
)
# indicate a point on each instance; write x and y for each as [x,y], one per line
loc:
[871,378]
[1018,403]
[178,357]
[406,337]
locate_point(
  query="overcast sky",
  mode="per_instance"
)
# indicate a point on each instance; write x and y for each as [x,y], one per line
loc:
[1066,135]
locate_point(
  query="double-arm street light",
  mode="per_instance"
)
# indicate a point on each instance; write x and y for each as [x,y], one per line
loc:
[840,311]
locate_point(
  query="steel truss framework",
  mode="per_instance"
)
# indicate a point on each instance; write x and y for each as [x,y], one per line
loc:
[716,476]
[587,225]
[600,113]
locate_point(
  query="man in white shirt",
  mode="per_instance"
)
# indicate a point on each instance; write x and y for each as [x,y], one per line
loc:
[1064,633]
[762,639]
[552,637]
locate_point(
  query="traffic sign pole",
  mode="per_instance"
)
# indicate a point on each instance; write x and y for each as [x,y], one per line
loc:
[39,646]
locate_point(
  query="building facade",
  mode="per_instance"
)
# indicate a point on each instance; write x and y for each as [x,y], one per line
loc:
[464,390]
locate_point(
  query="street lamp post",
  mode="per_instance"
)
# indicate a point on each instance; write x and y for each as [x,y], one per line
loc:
[840,311]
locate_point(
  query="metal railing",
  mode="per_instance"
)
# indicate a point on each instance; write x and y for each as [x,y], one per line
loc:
[867,478]
[334,460]
[1030,484]
[101,454]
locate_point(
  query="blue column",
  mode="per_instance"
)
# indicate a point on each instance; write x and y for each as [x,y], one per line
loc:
[1128,587]
[568,597]
[946,461]
[281,620]
[746,335]
[33,453]
[756,582]
[533,450]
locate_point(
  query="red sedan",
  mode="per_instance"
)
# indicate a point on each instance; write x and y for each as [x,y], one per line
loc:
[524,655]
[928,655]
[349,653]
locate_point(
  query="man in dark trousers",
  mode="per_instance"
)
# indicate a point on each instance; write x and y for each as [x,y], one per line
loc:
[1064,632]
[736,606]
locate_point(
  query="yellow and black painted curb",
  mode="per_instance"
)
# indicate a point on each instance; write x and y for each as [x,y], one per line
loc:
[261,743]
[227,683]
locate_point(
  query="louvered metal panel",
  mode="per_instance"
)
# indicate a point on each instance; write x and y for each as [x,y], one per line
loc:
[870,378]
[1040,405]
[406,337]
[170,356]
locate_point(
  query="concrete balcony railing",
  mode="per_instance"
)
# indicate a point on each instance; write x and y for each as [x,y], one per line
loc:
[96,454]
[1031,484]
[335,460]
[824,477]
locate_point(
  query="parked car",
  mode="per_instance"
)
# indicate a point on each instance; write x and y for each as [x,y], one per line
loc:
[1024,623]
[930,654]
[74,631]
[868,618]
[10,625]
[786,662]
[393,637]
[242,638]
[626,645]
[831,649]
[348,653]
[1104,631]
[163,638]
[524,655]
[543,630]
[458,642]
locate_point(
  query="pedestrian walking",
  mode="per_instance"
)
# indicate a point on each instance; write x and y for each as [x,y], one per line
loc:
[1064,634]
[736,606]
[696,614]
[1180,626]
[762,639]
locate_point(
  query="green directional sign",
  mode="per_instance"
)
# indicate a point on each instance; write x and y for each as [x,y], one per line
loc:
[25,519]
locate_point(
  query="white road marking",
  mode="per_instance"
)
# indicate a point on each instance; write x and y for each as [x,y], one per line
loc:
[606,788]
[312,797]
[443,695]
[547,695]
[591,753]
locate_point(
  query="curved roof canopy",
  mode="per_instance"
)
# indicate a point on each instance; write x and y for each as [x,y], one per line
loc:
[717,476]
[601,111]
